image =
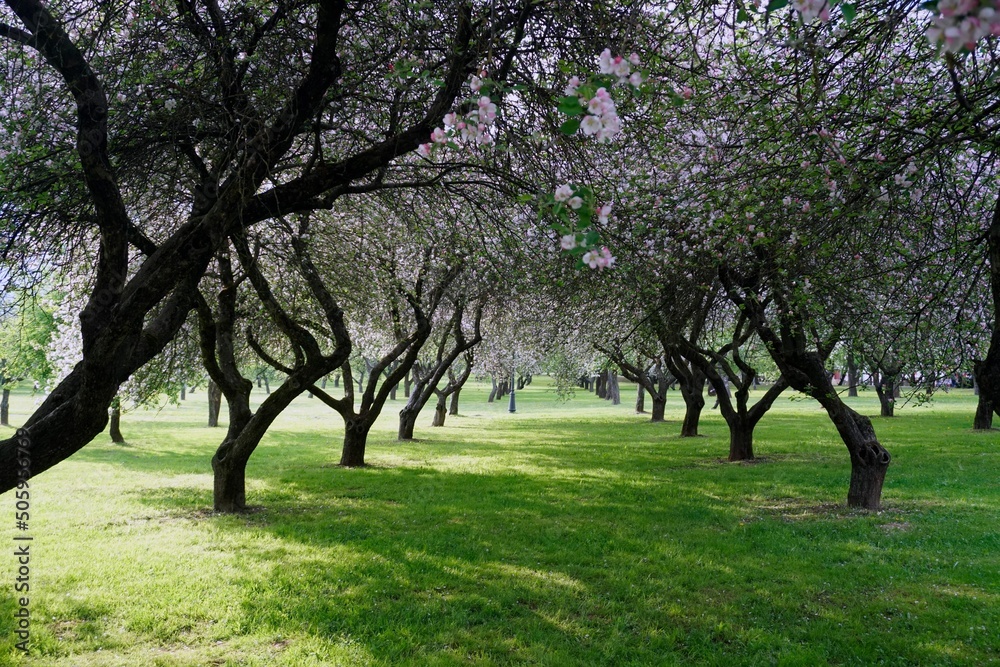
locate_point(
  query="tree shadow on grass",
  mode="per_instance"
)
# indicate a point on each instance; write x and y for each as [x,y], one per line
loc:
[424,566]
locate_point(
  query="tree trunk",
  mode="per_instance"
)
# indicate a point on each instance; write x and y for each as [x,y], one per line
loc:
[453,406]
[852,370]
[407,381]
[229,483]
[184,391]
[614,391]
[659,407]
[267,386]
[693,392]
[884,391]
[115,428]
[640,400]
[440,410]
[493,392]
[869,460]
[355,439]
[214,403]
[5,408]
[985,407]
[392,392]
[407,422]
[740,440]
[693,405]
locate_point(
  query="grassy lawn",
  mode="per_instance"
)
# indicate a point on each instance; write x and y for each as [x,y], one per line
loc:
[566,534]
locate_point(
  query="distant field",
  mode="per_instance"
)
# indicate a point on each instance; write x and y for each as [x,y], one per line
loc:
[566,534]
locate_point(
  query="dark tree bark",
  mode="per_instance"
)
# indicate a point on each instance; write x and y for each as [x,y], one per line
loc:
[493,391]
[214,403]
[355,442]
[691,381]
[640,400]
[986,372]
[694,402]
[852,371]
[453,405]
[985,408]
[115,426]
[659,408]
[5,408]
[183,391]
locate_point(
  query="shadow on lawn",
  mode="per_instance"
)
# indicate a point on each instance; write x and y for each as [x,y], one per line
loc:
[422,565]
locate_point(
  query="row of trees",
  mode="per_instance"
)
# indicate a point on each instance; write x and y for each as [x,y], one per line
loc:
[324,186]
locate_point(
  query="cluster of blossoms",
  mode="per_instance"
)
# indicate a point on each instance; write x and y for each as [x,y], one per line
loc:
[470,128]
[810,10]
[600,116]
[960,24]
[599,259]
[601,120]
[581,201]
[621,67]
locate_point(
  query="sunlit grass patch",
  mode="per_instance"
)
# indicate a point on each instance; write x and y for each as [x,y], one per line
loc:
[567,533]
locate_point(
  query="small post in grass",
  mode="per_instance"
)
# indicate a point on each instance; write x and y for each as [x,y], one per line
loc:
[511,407]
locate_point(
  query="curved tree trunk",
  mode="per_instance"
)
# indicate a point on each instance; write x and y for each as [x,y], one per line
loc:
[693,393]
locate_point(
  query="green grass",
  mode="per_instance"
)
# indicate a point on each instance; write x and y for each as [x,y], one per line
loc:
[565,534]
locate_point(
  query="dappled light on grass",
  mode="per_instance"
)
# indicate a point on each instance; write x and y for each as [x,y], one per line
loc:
[570,534]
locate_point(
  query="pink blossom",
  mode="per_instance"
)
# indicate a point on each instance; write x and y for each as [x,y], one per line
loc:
[575,203]
[563,192]
[568,242]
[475,84]
[425,149]
[591,125]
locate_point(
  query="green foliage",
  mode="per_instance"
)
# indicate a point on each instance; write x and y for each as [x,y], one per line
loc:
[569,533]
[24,341]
